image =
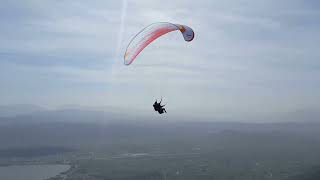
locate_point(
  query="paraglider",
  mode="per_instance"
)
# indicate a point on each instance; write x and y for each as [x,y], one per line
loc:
[158,107]
[150,33]
[146,36]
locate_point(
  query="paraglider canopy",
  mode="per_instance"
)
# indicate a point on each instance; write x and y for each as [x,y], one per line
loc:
[150,33]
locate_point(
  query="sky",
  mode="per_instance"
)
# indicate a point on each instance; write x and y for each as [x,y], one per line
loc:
[248,58]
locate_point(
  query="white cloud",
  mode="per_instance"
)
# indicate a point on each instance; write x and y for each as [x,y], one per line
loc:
[247,57]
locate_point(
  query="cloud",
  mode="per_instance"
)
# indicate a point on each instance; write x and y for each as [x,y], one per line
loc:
[247,57]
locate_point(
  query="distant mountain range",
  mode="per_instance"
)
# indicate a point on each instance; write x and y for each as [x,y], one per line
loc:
[19,109]
[74,113]
[24,114]
[75,126]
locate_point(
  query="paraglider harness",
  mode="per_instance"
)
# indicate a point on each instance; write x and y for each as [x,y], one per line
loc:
[158,107]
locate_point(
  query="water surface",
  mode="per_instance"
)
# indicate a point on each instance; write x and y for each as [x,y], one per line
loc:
[31,172]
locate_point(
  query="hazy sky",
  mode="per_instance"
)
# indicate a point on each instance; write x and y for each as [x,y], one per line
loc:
[249,58]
